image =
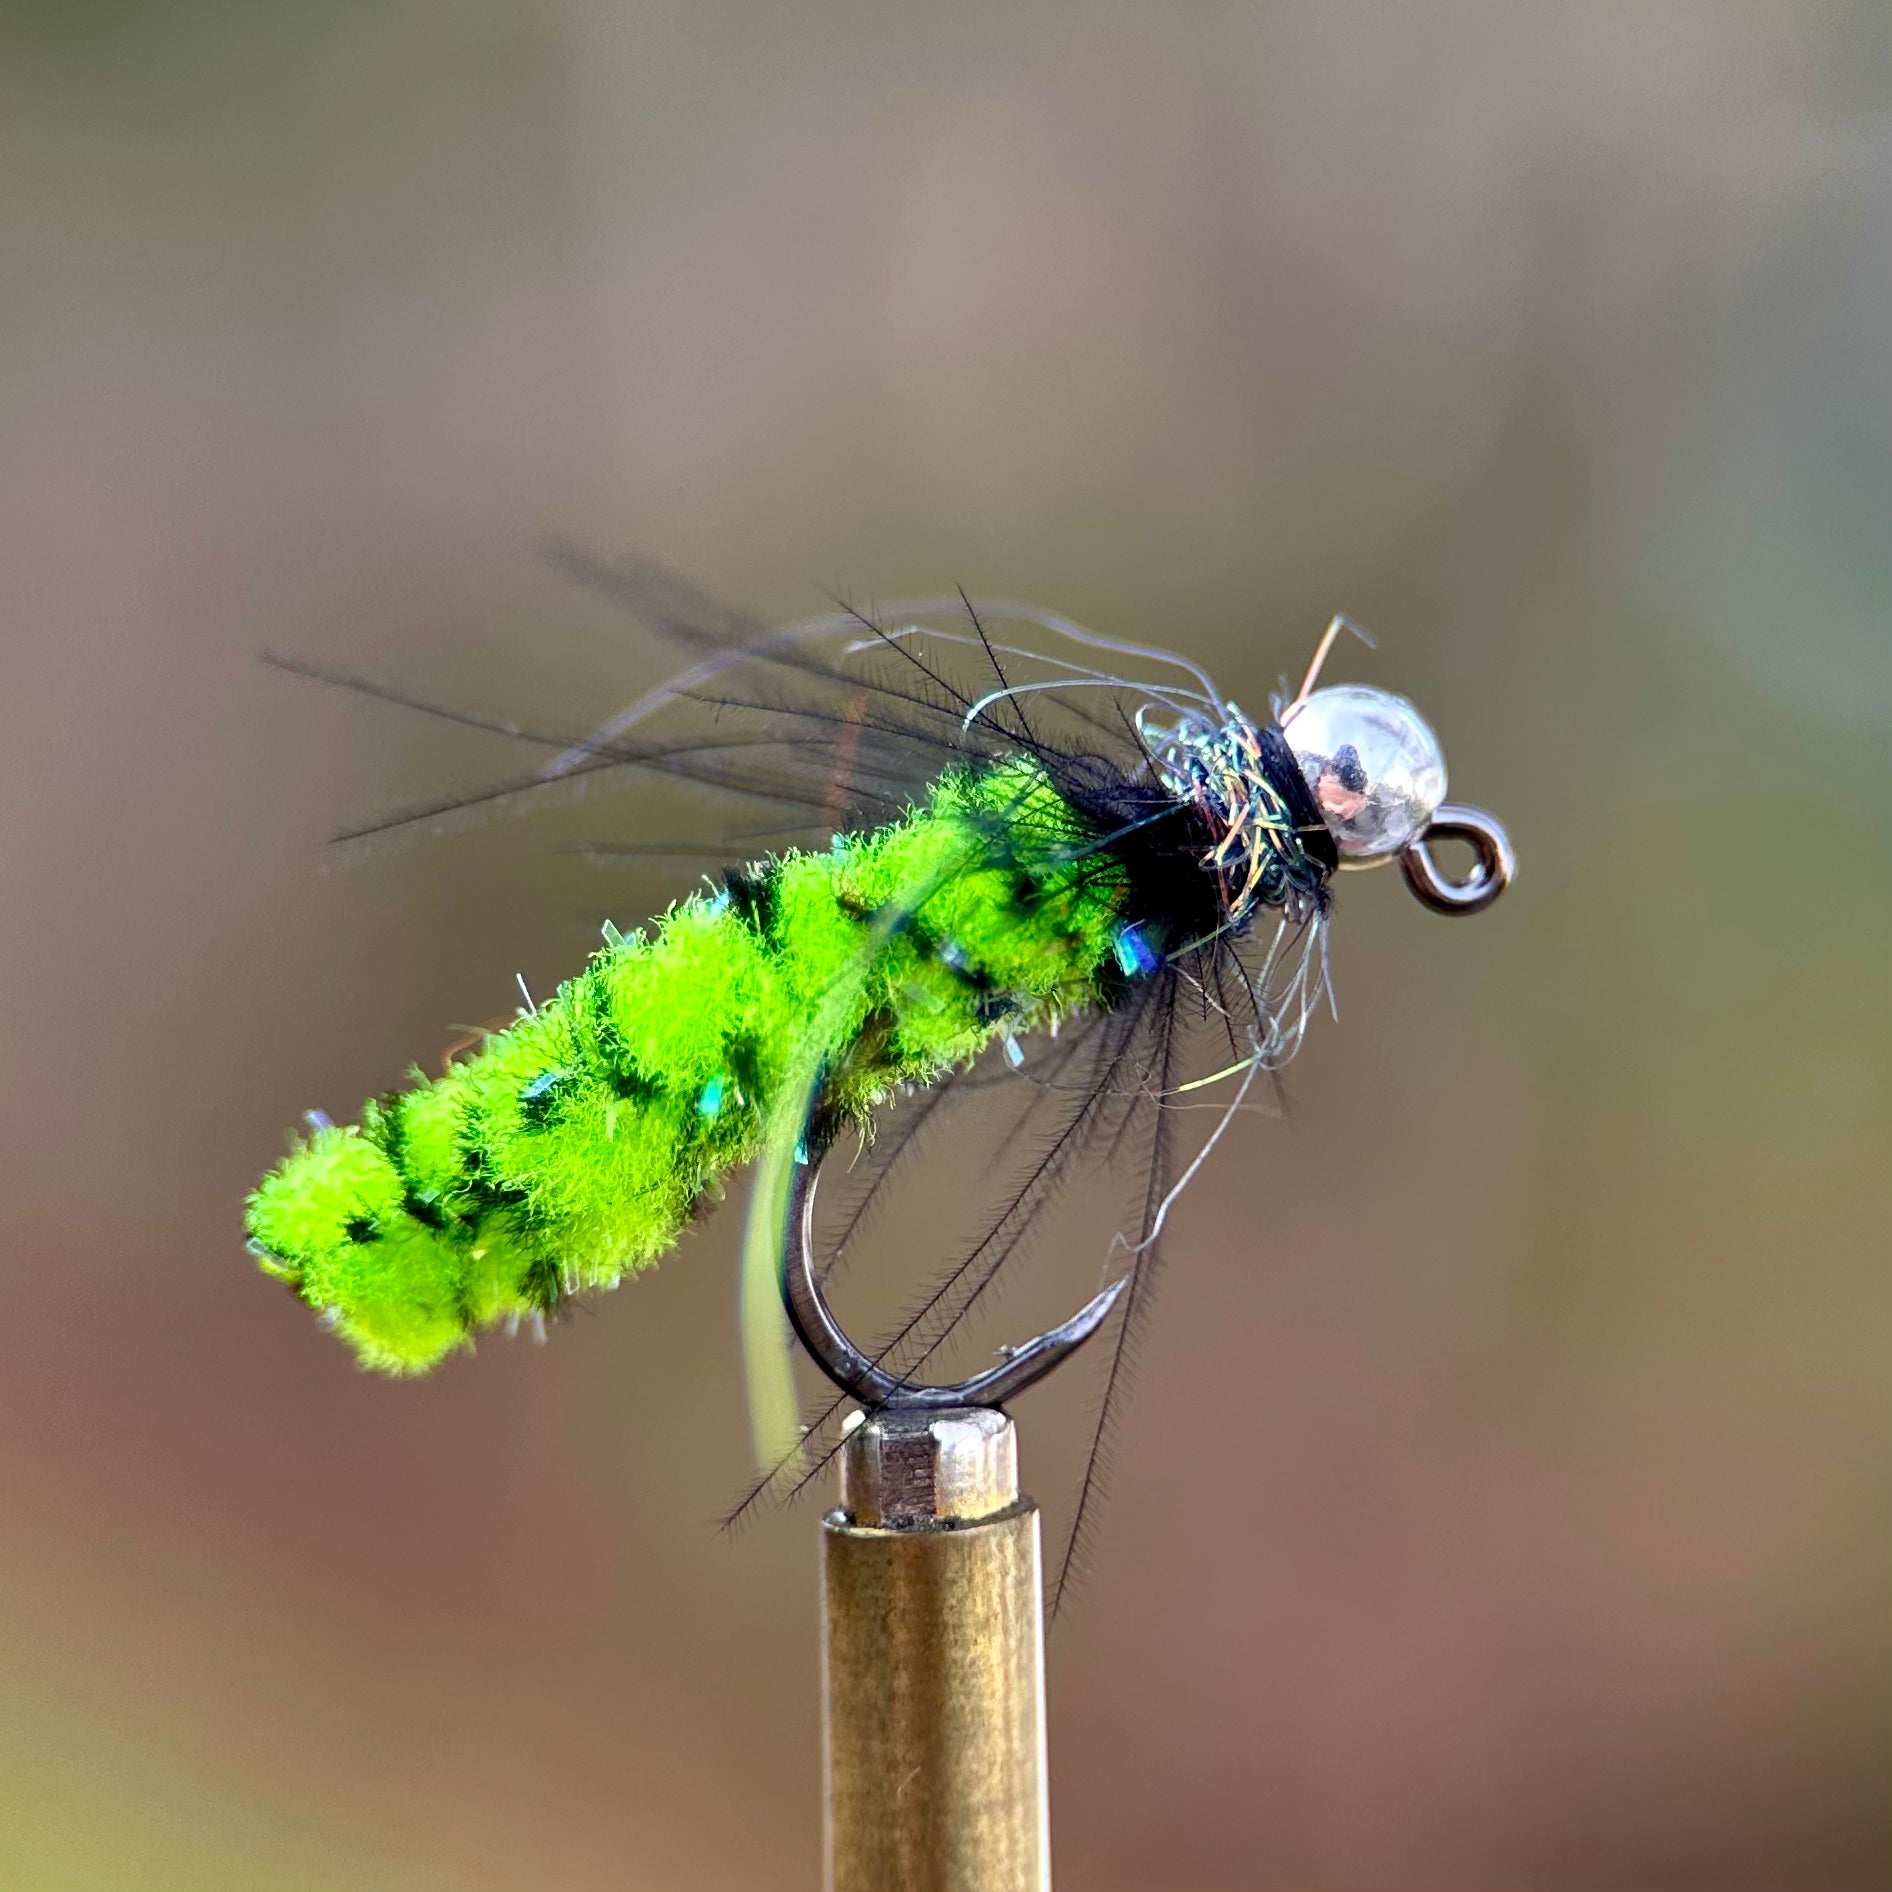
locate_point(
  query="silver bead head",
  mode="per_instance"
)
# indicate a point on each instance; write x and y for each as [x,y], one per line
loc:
[1374,766]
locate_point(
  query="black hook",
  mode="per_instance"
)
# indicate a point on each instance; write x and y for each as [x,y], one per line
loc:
[1487,880]
[860,1378]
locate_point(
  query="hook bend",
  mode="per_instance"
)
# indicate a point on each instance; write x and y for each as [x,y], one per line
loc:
[861,1378]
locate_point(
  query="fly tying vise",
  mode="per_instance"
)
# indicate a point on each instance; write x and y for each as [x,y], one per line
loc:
[1050,847]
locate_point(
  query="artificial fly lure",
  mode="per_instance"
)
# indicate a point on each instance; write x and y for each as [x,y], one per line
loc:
[984,839]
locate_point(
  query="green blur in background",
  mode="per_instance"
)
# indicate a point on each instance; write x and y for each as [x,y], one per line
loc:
[1506,1496]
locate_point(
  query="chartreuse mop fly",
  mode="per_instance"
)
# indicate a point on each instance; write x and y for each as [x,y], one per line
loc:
[1011,829]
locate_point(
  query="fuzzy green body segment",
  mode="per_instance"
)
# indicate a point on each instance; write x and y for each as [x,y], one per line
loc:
[577,1144]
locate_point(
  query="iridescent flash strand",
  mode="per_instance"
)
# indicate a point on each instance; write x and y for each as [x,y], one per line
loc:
[1255,854]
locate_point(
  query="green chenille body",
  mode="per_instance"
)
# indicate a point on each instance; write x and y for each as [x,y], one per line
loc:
[577,1144]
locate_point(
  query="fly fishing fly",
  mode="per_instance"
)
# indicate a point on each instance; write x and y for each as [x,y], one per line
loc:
[997,827]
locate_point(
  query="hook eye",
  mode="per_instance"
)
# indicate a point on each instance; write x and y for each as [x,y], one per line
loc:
[864,1379]
[1489,877]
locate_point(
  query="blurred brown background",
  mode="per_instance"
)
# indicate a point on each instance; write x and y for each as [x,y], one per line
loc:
[1507,1496]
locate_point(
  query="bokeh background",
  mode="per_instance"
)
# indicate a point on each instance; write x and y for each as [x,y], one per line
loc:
[1507,1496]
